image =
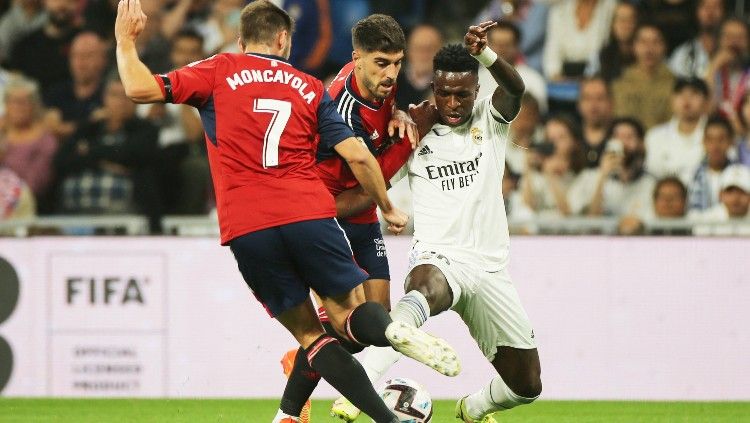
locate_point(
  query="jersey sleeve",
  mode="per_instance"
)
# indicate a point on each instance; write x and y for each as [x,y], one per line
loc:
[394,158]
[331,126]
[192,84]
[485,111]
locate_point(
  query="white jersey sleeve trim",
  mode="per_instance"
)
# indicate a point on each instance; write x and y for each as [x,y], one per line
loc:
[497,115]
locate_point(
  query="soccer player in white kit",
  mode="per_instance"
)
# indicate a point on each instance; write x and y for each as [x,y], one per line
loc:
[459,256]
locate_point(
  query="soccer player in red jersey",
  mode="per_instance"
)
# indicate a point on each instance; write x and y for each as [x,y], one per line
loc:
[364,91]
[260,117]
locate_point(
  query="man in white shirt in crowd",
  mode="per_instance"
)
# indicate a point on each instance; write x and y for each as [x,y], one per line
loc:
[734,208]
[675,147]
[704,181]
[690,59]
[619,186]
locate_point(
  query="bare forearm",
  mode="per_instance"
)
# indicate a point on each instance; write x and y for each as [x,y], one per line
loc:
[370,178]
[507,77]
[596,207]
[137,79]
[352,202]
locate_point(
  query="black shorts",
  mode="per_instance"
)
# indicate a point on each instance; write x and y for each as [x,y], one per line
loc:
[282,263]
[368,247]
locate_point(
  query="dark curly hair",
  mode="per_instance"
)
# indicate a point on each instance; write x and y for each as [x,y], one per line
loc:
[454,58]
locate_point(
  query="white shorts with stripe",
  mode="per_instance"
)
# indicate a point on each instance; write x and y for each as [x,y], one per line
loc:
[486,301]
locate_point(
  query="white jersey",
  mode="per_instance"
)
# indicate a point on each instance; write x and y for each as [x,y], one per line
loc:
[456,183]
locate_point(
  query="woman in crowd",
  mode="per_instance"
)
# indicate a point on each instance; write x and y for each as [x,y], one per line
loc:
[26,145]
[552,168]
[617,54]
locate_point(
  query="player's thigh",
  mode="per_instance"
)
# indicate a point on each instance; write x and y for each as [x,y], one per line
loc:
[268,270]
[302,322]
[494,314]
[323,257]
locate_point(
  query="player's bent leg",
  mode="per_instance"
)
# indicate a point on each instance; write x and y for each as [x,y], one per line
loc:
[379,291]
[520,369]
[431,283]
[334,364]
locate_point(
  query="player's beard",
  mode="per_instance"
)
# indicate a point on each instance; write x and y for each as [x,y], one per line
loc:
[373,88]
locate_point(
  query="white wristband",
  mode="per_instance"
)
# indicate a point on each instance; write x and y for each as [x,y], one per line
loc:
[486,57]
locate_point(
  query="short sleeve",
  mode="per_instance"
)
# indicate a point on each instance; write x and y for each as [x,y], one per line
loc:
[331,126]
[192,84]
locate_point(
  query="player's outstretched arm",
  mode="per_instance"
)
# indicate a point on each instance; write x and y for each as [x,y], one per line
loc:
[366,169]
[510,87]
[140,85]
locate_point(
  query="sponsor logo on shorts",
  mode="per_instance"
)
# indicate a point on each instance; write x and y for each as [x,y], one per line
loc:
[380,247]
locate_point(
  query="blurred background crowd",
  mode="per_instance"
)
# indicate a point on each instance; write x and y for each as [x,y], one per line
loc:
[635,112]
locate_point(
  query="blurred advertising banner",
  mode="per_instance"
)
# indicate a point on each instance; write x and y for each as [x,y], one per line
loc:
[614,318]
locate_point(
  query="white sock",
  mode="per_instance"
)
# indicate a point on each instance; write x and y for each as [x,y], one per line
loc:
[412,308]
[280,415]
[496,396]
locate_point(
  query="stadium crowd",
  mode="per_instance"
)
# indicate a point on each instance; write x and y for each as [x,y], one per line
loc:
[633,110]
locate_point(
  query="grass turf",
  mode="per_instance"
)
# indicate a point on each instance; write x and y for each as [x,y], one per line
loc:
[262,411]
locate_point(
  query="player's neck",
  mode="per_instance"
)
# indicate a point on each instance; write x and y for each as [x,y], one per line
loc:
[263,49]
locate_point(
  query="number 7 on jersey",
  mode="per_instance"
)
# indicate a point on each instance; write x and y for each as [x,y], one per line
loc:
[281,110]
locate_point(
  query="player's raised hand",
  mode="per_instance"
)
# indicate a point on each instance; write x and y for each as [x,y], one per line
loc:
[130,20]
[396,219]
[424,115]
[476,38]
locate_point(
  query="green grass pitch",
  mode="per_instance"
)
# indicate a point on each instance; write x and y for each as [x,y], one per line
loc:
[262,411]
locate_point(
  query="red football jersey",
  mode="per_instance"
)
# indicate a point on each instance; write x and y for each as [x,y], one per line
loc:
[369,121]
[261,118]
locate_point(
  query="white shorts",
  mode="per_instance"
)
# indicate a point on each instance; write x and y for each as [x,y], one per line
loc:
[486,301]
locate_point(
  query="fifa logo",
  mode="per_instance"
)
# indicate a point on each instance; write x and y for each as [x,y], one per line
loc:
[476,135]
[104,291]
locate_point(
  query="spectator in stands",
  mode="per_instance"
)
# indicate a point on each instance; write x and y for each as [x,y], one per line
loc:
[73,102]
[690,59]
[26,146]
[416,74]
[99,16]
[42,54]
[312,35]
[670,198]
[16,199]
[576,29]
[617,54]
[643,90]
[742,127]
[183,174]
[704,181]
[620,186]
[530,16]
[734,184]
[106,166]
[504,39]
[595,107]
[675,147]
[24,17]
[525,131]
[675,18]
[515,207]
[545,187]
[728,73]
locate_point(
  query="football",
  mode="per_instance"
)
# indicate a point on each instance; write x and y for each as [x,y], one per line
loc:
[409,400]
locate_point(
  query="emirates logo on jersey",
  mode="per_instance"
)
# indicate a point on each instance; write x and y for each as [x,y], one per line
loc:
[476,136]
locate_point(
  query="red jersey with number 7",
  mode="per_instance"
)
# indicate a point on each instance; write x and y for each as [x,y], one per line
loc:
[261,118]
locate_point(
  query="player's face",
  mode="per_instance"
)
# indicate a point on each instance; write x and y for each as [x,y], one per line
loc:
[455,93]
[377,71]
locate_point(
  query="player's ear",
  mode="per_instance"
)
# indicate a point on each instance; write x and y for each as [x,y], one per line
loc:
[356,55]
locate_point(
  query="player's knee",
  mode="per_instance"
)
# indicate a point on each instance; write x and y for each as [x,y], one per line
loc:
[529,387]
[438,297]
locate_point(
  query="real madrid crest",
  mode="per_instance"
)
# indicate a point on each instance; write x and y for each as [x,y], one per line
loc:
[476,135]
